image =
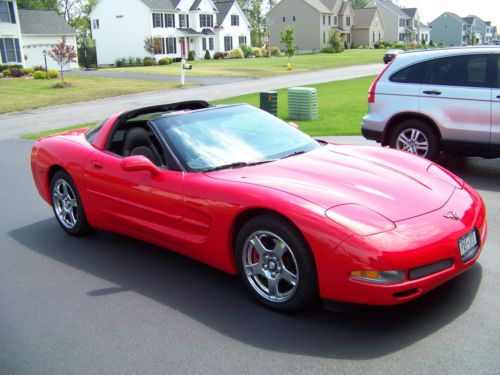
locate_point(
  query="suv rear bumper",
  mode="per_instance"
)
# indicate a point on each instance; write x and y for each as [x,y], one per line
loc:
[372,135]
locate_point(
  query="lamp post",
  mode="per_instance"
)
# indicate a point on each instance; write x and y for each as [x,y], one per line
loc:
[45,59]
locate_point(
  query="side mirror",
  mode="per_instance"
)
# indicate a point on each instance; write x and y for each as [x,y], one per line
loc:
[139,163]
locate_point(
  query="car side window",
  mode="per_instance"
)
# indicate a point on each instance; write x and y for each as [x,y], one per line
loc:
[498,71]
[466,71]
[416,73]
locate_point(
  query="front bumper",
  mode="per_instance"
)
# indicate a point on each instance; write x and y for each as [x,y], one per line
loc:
[427,243]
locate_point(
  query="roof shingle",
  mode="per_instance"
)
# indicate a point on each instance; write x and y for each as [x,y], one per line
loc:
[43,22]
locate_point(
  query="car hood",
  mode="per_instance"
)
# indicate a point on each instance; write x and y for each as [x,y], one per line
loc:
[395,184]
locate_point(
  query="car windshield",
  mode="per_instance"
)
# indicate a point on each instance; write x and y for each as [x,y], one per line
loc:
[231,137]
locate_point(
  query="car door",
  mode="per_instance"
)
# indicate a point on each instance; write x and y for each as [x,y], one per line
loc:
[135,203]
[458,97]
[495,109]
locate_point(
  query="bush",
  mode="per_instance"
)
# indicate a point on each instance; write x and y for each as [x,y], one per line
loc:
[335,41]
[376,45]
[236,53]
[39,67]
[147,61]
[207,55]
[191,56]
[121,62]
[39,74]
[384,44]
[400,45]
[256,52]
[6,73]
[16,72]
[265,52]
[52,73]
[327,50]
[275,51]
[218,55]
[27,71]
[247,50]
[165,61]
[8,66]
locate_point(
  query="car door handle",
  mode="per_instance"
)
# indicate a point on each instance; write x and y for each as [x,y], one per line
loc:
[432,92]
[96,164]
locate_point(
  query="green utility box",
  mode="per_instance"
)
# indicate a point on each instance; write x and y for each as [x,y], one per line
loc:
[302,103]
[269,102]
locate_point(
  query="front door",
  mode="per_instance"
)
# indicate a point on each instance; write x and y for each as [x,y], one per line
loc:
[183,47]
[135,203]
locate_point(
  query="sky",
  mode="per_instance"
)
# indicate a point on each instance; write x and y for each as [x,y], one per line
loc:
[487,10]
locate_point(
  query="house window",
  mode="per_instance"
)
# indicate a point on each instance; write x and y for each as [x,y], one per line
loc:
[203,44]
[242,40]
[401,37]
[157,20]
[373,37]
[415,23]
[402,22]
[379,37]
[235,20]
[349,39]
[211,44]
[206,20]
[228,43]
[95,24]
[324,38]
[169,46]
[10,51]
[348,21]
[283,19]
[329,20]
[169,20]
[293,18]
[183,21]
[335,20]
[7,13]
[324,17]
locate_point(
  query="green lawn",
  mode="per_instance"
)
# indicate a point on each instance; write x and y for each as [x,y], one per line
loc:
[21,93]
[264,67]
[341,106]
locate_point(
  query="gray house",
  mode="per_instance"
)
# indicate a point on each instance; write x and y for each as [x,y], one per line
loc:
[368,27]
[313,21]
[450,29]
[396,21]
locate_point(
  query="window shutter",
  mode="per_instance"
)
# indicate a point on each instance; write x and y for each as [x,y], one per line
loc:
[12,12]
[153,15]
[175,45]
[211,20]
[2,51]
[173,19]
[187,20]
[18,50]
[201,22]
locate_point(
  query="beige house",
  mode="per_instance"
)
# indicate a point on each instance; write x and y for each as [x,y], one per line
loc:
[312,20]
[368,27]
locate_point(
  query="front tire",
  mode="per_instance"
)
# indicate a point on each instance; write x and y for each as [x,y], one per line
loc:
[416,137]
[276,264]
[67,205]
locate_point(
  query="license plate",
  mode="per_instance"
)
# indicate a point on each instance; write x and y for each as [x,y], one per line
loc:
[468,244]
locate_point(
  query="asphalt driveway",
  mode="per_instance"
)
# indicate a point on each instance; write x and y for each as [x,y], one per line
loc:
[109,304]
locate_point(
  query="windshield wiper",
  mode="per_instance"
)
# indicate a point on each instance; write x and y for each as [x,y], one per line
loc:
[238,164]
[294,154]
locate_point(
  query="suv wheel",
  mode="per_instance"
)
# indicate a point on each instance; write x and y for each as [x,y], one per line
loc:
[416,137]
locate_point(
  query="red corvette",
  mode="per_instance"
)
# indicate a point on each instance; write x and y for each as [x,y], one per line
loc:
[240,190]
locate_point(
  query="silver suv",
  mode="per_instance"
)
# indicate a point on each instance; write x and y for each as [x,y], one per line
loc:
[429,101]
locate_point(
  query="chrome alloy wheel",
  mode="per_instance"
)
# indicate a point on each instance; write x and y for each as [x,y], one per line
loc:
[414,141]
[65,204]
[270,266]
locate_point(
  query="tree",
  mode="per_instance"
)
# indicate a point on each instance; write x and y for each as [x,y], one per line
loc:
[39,4]
[288,39]
[63,54]
[335,41]
[257,21]
[358,3]
[152,45]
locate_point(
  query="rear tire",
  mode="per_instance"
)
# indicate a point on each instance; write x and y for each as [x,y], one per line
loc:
[276,264]
[417,137]
[67,205]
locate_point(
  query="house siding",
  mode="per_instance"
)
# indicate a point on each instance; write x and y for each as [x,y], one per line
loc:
[364,36]
[34,45]
[447,30]
[390,21]
[12,30]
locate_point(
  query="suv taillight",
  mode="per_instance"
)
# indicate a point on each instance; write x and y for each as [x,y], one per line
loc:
[371,92]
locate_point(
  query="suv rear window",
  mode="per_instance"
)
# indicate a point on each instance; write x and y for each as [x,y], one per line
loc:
[467,71]
[415,73]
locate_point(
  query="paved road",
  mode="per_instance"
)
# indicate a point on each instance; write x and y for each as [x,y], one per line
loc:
[202,80]
[106,304]
[15,124]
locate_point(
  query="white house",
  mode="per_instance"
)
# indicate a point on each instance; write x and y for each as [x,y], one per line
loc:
[25,34]
[11,44]
[40,31]
[120,27]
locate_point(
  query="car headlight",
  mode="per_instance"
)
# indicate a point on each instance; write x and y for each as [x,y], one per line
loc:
[446,176]
[359,219]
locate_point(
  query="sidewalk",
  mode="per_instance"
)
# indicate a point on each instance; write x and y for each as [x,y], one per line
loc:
[16,124]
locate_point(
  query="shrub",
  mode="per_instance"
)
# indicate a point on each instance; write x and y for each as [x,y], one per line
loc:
[147,61]
[27,71]
[52,73]
[275,51]
[399,45]
[207,55]
[16,72]
[265,52]
[6,73]
[165,61]
[218,55]
[39,67]
[247,50]
[138,61]
[335,41]
[256,52]
[191,56]
[327,50]
[384,44]
[8,66]
[236,53]
[376,46]
[39,74]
